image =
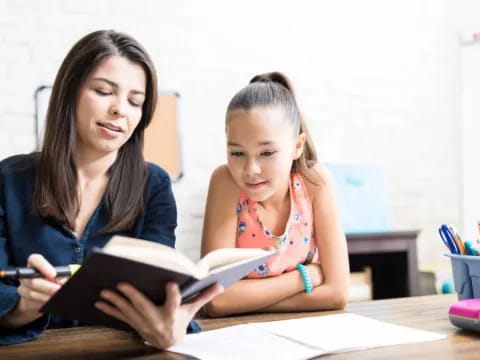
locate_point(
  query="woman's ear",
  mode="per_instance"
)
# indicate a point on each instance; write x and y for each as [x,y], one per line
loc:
[299,144]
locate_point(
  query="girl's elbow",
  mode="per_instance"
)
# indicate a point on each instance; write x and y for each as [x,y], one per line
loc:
[340,299]
[215,309]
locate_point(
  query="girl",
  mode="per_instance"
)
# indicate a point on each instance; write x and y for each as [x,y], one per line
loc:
[273,193]
[89,182]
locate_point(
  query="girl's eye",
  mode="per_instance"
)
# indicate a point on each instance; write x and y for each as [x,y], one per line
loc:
[236,153]
[102,92]
[268,153]
[134,103]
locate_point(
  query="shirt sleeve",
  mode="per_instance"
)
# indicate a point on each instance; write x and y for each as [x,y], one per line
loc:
[193,327]
[8,289]
[160,214]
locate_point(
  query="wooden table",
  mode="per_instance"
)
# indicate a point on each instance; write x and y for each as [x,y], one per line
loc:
[392,256]
[425,312]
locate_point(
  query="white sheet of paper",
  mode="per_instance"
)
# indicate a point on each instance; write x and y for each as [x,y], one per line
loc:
[344,332]
[297,339]
[244,342]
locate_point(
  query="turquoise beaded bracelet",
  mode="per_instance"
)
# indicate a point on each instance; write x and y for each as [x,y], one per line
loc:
[307,282]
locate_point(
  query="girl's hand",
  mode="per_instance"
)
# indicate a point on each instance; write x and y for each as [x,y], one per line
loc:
[161,326]
[316,275]
[34,293]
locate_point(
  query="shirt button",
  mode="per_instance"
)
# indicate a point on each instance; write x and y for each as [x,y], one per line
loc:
[78,249]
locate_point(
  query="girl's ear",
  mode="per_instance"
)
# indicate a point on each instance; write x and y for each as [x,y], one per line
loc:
[299,143]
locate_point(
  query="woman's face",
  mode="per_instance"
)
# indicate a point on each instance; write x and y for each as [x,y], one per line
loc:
[109,106]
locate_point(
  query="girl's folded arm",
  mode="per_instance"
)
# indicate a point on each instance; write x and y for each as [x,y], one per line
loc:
[251,295]
[323,297]
[332,293]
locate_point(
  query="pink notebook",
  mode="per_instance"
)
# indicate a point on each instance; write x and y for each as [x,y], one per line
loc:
[466,314]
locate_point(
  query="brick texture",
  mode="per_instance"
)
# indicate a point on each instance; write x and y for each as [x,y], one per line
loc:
[376,81]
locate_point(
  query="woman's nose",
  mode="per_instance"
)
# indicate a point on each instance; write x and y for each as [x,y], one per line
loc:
[118,108]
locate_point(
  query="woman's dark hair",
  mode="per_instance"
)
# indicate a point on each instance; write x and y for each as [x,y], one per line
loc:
[56,179]
[274,89]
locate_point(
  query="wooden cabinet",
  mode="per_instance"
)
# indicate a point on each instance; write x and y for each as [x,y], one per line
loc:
[392,257]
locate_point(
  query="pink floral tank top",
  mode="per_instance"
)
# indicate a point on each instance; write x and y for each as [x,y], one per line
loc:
[296,244]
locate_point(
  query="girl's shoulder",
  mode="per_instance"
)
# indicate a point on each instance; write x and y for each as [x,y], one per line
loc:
[323,181]
[223,175]
[223,181]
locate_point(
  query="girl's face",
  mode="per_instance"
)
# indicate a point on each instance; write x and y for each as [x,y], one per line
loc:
[261,147]
[109,106]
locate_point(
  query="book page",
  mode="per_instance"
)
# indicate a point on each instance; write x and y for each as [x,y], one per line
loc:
[221,257]
[346,332]
[244,342]
[152,253]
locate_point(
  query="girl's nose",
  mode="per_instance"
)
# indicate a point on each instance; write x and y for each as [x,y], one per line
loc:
[252,167]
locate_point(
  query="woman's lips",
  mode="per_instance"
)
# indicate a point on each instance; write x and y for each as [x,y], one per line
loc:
[109,131]
[111,127]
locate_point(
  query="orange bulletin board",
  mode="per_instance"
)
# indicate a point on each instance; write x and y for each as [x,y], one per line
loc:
[162,137]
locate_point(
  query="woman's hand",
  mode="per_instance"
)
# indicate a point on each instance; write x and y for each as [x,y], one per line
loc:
[34,293]
[161,326]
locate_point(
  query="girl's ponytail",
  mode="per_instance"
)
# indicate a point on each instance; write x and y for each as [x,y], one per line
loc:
[275,77]
[305,163]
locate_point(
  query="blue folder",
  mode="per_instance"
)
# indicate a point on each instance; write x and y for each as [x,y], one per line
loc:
[360,191]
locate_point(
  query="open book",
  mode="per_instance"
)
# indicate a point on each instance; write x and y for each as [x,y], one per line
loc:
[148,266]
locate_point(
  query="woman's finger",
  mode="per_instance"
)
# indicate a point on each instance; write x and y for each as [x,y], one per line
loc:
[31,301]
[173,298]
[205,297]
[62,280]
[40,291]
[110,310]
[32,296]
[131,315]
[41,285]
[143,305]
[41,264]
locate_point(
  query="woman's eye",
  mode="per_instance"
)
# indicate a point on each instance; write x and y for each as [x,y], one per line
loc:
[236,153]
[102,92]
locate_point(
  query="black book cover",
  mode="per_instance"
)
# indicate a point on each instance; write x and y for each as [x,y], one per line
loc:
[76,298]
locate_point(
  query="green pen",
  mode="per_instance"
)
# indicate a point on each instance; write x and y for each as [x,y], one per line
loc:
[30,273]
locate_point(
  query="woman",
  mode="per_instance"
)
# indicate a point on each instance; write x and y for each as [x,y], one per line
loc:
[89,181]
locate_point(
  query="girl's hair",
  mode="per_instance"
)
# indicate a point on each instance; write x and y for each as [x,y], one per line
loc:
[56,179]
[274,89]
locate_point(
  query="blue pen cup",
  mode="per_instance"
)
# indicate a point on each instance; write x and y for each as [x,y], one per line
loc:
[466,275]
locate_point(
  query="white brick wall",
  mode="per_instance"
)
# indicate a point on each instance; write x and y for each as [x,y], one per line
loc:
[376,80]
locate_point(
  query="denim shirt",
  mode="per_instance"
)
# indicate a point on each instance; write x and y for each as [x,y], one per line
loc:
[23,232]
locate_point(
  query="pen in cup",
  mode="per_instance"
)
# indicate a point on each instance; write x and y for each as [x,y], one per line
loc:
[449,239]
[458,239]
[478,225]
[30,273]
